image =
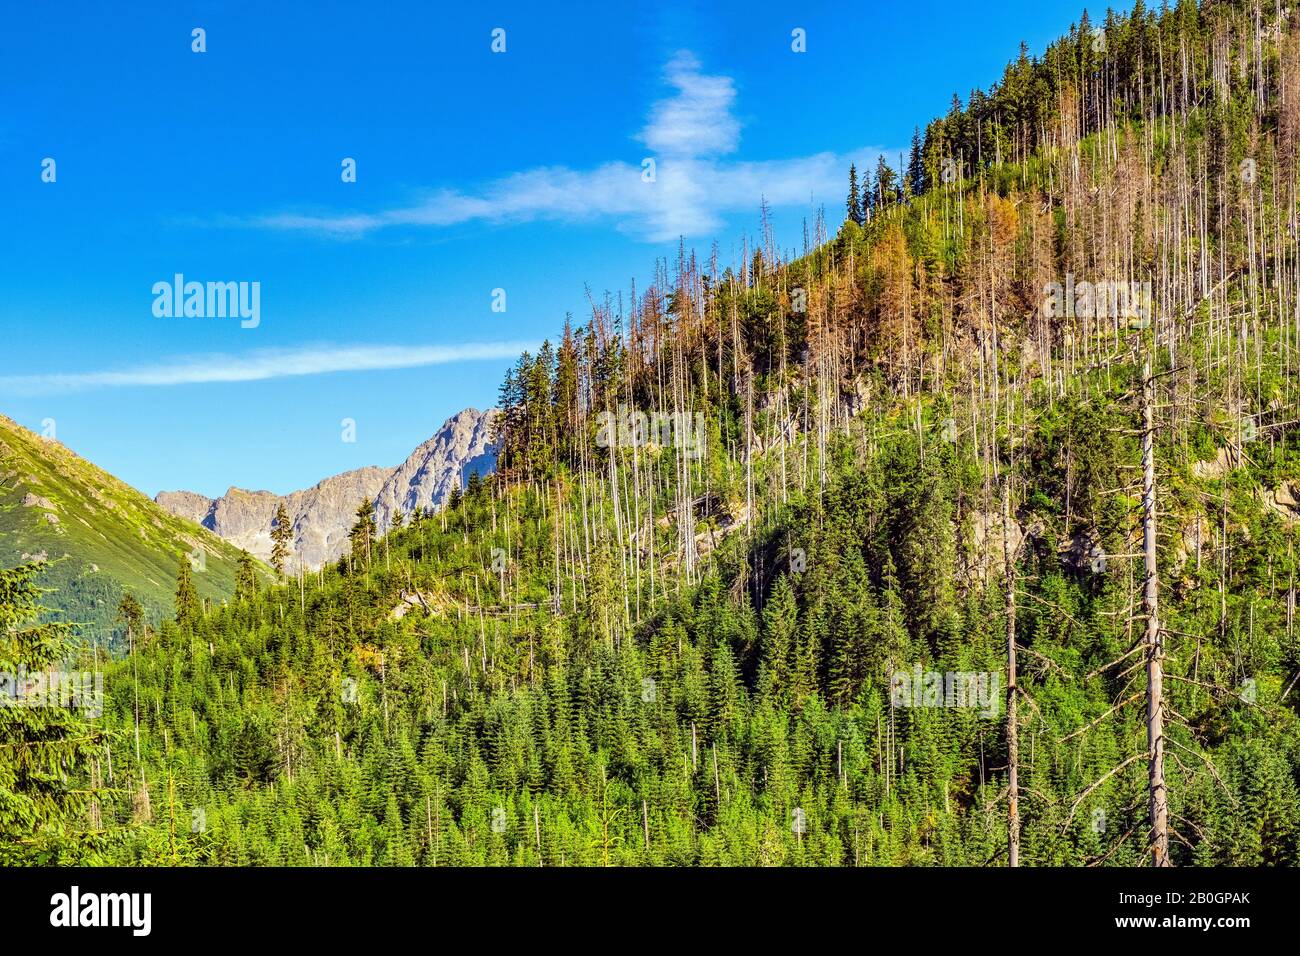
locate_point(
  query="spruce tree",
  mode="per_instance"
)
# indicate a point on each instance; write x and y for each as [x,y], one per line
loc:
[780,623]
[363,533]
[886,189]
[855,200]
[246,578]
[45,748]
[131,614]
[916,165]
[282,539]
[188,608]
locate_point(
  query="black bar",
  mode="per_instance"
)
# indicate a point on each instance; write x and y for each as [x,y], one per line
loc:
[655,906]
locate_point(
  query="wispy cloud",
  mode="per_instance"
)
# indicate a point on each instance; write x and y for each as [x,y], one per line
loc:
[688,134]
[263,364]
[697,119]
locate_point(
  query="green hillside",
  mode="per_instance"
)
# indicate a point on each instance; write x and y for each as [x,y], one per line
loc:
[96,536]
[737,513]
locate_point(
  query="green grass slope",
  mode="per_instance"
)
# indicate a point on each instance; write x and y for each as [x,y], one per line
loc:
[97,536]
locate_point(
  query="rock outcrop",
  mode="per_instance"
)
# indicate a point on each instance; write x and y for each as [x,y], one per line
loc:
[185,504]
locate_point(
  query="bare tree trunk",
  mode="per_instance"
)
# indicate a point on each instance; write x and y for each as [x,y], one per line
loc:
[1013,732]
[1154,648]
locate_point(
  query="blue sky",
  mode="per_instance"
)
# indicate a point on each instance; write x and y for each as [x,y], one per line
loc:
[475,171]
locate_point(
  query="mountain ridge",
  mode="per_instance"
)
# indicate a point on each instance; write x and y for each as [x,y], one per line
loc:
[323,513]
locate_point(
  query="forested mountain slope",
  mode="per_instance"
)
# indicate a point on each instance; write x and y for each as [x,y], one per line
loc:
[681,638]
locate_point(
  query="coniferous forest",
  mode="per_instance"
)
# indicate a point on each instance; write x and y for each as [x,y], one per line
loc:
[967,534]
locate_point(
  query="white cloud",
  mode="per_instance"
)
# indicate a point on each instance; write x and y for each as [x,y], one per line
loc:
[697,119]
[688,133]
[265,364]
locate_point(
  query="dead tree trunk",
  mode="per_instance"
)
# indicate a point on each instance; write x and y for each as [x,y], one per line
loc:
[1154,648]
[1013,732]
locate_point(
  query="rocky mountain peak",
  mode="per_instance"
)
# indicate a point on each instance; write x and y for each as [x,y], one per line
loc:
[323,514]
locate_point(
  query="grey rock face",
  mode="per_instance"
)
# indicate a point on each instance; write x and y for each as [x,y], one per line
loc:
[323,514]
[185,504]
[462,447]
